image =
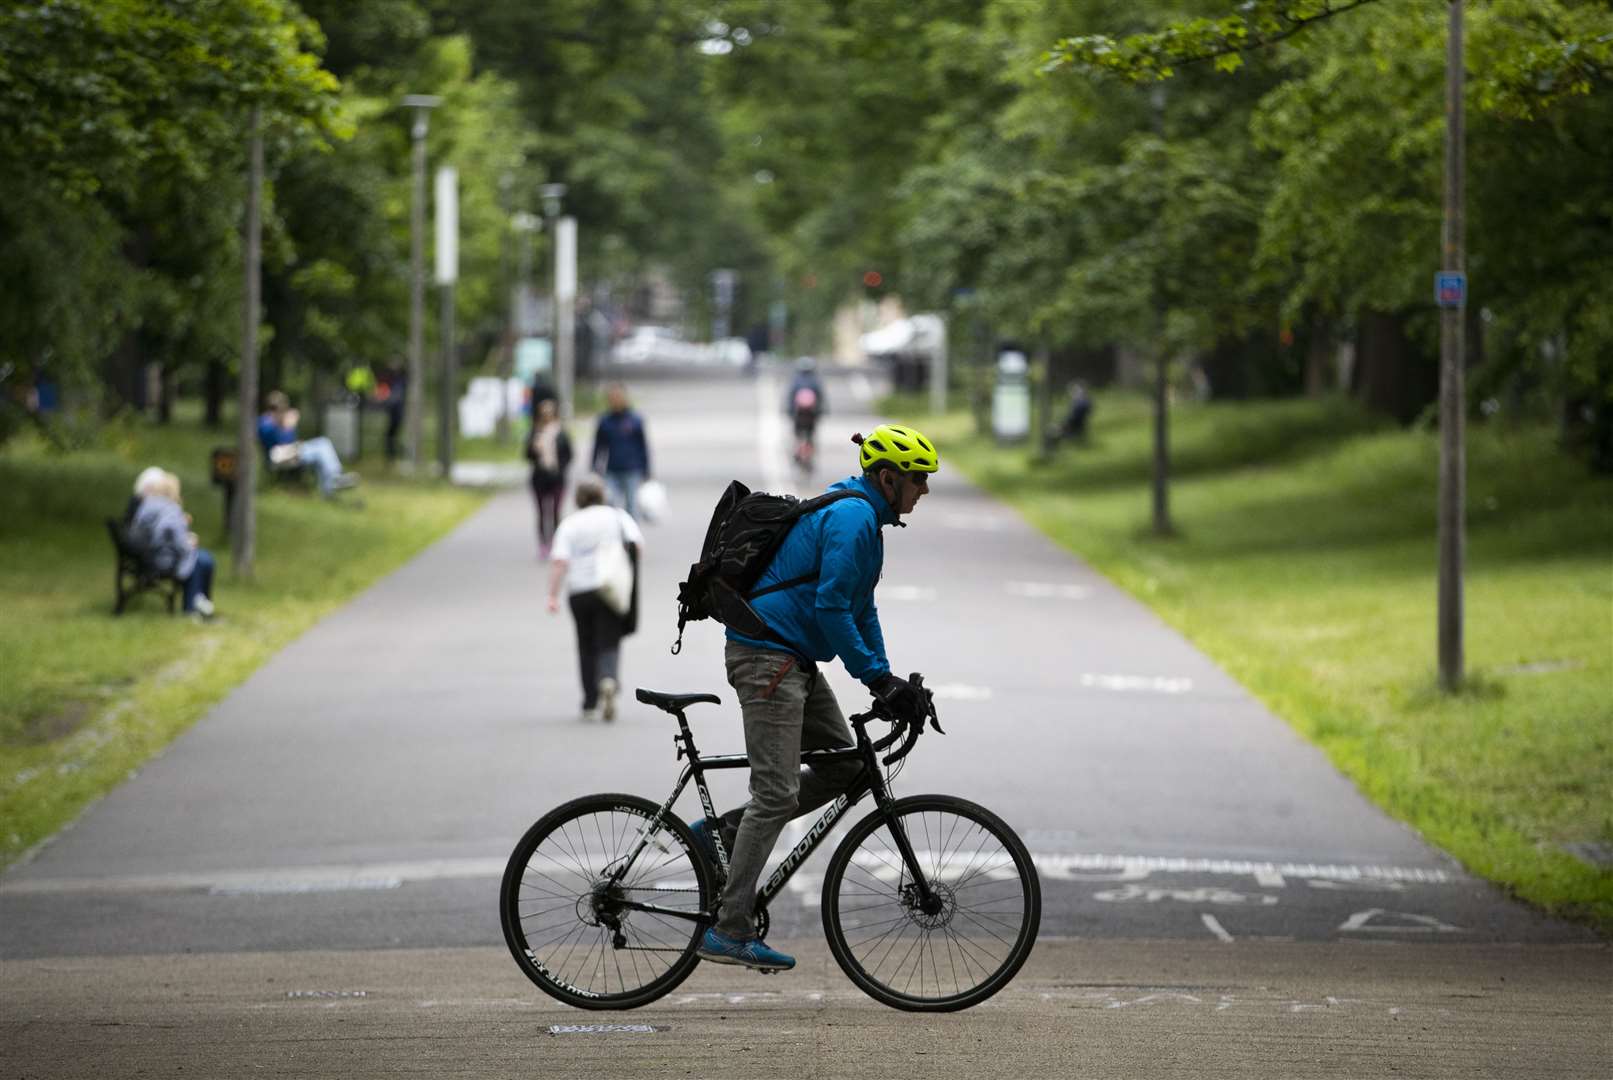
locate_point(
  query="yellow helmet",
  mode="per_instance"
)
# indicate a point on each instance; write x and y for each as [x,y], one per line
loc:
[903,447]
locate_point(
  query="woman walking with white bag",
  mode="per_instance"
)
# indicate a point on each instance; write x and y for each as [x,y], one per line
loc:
[595,556]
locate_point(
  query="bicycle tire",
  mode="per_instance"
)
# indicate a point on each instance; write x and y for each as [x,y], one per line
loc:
[555,903]
[990,895]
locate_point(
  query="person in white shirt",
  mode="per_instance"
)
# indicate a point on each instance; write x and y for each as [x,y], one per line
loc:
[580,562]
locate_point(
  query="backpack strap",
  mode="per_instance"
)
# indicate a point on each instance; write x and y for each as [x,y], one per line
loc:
[809,507]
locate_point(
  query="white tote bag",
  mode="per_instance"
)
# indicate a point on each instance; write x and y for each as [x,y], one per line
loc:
[615,573]
[652,501]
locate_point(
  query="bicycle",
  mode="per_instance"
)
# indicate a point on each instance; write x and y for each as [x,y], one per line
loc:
[606,897]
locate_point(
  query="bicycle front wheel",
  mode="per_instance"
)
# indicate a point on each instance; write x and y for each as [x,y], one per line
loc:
[574,913]
[959,946]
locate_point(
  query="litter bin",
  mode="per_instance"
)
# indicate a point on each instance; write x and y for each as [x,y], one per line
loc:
[341,428]
[1011,398]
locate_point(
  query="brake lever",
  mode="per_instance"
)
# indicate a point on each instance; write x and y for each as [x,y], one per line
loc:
[917,682]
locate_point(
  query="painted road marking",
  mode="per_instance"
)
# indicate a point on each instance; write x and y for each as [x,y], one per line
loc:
[907,592]
[1052,866]
[1047,590]
[974,522]
[1214,926]
[1377,920]
[604,1029]
[1207,894]
[961,692]
[769,434]
[1131,684]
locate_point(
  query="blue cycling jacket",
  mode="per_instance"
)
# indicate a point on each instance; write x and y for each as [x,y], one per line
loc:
[835,614]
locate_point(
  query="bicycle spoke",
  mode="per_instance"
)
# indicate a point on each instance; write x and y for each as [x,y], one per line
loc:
[567,903]
[943,941]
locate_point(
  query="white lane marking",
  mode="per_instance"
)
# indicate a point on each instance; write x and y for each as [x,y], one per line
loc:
[861,388]
[1269,879]
[1137,867]
[1213,925]
[282,879]
[1207,894]
[962,692]
[1373,920]
[907,592]
[1130,684]
[1057,866]
[1047,590]
[291,886]
[974,522]
[769,434]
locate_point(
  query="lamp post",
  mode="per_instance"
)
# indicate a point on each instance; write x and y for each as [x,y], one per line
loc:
[422,104]
[447,274]
[564,233]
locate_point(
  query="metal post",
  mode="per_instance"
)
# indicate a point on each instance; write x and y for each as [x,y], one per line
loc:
[422,104]
[506,363]
[446,216]
[450,375]
[552,196]
[1452,359]
[565,294]
[243,539]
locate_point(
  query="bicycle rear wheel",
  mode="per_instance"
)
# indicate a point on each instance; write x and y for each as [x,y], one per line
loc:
[568,922]
[968,942]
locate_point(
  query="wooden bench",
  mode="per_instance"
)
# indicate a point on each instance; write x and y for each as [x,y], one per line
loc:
[133,576]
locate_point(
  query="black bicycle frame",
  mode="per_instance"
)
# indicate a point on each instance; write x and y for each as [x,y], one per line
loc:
[870,780]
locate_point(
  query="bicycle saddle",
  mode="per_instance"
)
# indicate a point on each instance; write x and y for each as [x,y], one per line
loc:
[674,703]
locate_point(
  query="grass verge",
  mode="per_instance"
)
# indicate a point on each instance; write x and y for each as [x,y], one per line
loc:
[85,698]
[1304,564]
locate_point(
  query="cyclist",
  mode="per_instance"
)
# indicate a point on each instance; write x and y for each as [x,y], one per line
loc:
[806,404]
[838,553]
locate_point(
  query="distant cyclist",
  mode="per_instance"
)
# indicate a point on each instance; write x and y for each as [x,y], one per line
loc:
[806,404]
[833,557]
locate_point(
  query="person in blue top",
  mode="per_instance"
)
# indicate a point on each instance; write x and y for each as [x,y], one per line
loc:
[837,553]
[277,431]
[621,452]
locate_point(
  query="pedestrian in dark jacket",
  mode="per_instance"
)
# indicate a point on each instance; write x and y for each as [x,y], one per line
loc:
[548,448]
[621,452]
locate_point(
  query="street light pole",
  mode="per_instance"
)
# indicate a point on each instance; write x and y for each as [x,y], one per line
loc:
[422,104]
[552,194]
[447,251]
[1451,290]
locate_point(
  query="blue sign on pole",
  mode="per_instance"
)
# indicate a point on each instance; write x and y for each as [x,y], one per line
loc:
[1450,289]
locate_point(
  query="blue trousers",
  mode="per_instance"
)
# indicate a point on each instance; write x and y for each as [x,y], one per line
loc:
[200,582]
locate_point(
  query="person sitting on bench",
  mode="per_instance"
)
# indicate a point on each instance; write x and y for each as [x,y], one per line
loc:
[160,530]
[277,431]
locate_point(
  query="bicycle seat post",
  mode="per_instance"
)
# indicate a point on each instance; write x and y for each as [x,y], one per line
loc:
[685,738]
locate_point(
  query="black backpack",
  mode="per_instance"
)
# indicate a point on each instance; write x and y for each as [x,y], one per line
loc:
[746,530]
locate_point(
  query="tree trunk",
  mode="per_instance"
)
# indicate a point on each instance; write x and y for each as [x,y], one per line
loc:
[244,533]
[213,394]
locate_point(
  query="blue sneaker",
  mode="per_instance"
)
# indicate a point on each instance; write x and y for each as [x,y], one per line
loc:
[703,836]
[719,948]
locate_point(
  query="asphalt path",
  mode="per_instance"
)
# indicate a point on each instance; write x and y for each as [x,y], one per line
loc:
[363,789]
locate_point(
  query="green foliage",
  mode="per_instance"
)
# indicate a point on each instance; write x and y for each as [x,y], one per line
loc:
[93,92]
[84,697]
[1303,567]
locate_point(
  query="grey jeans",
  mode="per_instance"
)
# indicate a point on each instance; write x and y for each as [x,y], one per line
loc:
[786,710]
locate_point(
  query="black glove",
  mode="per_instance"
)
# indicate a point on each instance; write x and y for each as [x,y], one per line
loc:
[900,697]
